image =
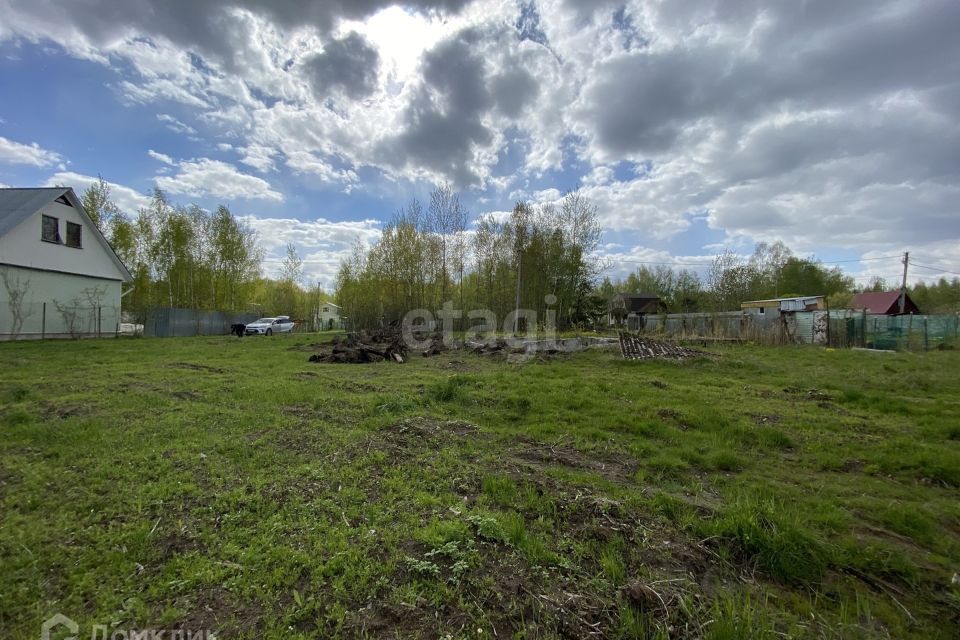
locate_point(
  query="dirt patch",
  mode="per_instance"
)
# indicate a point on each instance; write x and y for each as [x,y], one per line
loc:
[53,411]
[172,544]
[302,441]
[616,467]
[351,386]
[516,598]
[422,428]
[413,437]
[305,375]
[7,481]
[852,465]
[762,419]
[135,386]
[674,417]
[219,612]
[831,406]
[815,395]
[307,412]
[189,396]
[195,367]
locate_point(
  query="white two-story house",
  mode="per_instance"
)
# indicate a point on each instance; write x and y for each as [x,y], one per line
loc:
[59,277]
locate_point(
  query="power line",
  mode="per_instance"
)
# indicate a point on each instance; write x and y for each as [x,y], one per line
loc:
[860,260]
[871,275]
[281,260]
[923,266]
[672,264]
[710,264]
[630,261]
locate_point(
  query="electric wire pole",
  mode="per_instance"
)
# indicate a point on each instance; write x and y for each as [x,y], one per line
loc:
[903,286]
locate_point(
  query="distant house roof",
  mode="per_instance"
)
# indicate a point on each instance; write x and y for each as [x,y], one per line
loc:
[635,302]
[796,303]
[18,204]
[885,302]
[330,304]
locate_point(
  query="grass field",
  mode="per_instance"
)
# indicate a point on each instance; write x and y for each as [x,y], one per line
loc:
[226,484]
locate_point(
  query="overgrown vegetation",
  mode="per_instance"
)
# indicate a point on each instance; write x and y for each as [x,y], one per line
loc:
[189,257]
[231,485]
[425,259]
[771,271]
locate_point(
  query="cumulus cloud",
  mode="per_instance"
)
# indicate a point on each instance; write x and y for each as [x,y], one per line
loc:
[161,157]
[12,152]
[258,156]
[322,244]
[347,65]
[175,125]
[128,199]
[206,178]
[816,122]
[199,26]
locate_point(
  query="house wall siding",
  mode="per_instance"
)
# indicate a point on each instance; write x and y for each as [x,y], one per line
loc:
[75,304]
[23,246]
[330,318]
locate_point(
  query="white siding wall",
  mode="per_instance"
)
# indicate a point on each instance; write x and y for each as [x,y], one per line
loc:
[23,246]
[75,305]
[332,313]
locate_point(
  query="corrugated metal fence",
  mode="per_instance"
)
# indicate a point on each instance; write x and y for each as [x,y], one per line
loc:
[183,323]
[914,332]
[840,328]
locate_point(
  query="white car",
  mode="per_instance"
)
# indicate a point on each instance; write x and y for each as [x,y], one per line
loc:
[269,326]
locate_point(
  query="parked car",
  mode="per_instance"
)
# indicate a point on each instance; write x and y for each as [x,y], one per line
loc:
[269,326]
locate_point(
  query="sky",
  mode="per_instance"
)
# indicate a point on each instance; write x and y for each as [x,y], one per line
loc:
[692,126]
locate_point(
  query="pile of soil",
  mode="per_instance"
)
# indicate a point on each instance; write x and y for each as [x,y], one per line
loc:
[490,348]
[436,347]
[363,348]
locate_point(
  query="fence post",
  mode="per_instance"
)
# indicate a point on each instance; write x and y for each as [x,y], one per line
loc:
[99,319]
[43,322]
[926,338]
[828,321]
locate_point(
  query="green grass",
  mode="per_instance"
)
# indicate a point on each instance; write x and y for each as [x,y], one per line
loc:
[231,485]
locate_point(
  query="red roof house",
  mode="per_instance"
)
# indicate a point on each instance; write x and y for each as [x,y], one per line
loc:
[883,302]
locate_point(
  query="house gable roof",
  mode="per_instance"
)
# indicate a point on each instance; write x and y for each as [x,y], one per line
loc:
[882,302]
[638,296]
[634,302]
[18,204]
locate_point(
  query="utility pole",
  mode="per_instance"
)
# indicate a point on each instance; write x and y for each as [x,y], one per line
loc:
[316,317]
[903,286]
[520,218]
[516,308]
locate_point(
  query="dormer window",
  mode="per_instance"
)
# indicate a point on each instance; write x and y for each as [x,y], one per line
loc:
[74,235]
[51,230]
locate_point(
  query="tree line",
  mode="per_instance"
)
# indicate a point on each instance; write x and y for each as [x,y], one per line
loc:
[538,258]
[771,271]
[187,257]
